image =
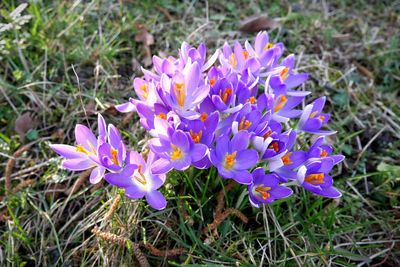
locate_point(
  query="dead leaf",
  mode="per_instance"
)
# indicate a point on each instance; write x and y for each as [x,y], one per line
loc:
[23,124]
[364,71]
[258,23]
[147,39]
[111,110]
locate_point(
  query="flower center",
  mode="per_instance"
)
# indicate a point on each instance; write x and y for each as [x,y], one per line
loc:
[244,124]
[268,46]
[225,94]
[212,81]
[263,191]
[315,178]
[141,178]
[179,91]
[176,153]
[252,100]
[284,74]
[286,159]
[280,102]
[196,136]
[162,115]
[320,117]
[274,145]
[230,160]
[324,153]
[245,54]
[145,90]
[232,60]
[267,134]
[203,116]
[114,156]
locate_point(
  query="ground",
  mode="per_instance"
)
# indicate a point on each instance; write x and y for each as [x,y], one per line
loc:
[72,59]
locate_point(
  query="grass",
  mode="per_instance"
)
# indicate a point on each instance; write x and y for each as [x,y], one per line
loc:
[71,60]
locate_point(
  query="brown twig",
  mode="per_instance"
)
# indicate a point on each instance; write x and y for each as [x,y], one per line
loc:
[168,253]
[222,216]
[221,197]
[23,184]
[166,13]
[112,209]
[11,163]
[79,182]
[122,241]
[126,119]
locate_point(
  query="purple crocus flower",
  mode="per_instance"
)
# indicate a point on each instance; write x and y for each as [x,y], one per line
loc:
[238,59]
[312,118]
[138,180]
[223,94]
[176,151]
[84,155]
[112,154]
[265,188]
[319,150]
[251,120]
[232,158]
[184,91]
[314,177]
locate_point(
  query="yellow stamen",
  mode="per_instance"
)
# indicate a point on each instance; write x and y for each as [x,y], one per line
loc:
[286,159]
[203,116]
[267,134]
[284,74]
[162,115]
[313,114]
[244,124]
[252,100]
[324,153]
[141,178]
[212,81]
[225,94]
[232,60]
[268,46]
[245,54]
[274,145]
[263,191]
[179,91]
[145,90]
[196,136]
[280,102]
[230,160]
[176,153]
[316,178]
[114,156]
[80,148]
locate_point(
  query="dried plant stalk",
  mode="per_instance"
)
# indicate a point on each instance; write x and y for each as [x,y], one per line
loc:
[79,182]
[169,253]
[221,197]
[122,241]
[222,216]
[112,209]
[23,184]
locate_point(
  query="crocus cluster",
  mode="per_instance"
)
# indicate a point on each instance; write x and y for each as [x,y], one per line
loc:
[239,111]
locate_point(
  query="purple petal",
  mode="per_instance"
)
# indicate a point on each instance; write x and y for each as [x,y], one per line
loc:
[246,159]
[78,164]
[281,192]
[198,152]
[114,137]
[85,137]
[240,141]
[161,166]
[242,177]
[134,192]
[96,175]
[67,151]
[156,200]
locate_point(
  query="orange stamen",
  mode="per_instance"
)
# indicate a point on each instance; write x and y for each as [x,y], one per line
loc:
[324,153]
[145,90]
[114,156]
[196,136]
[263,191]
[313,114]
[280,102]
[230,160]
[274,145]
[179,90]
[212,81]
[232,60]
[244,124]
[141,178]
[162,115]
[321,117]
[80,148]
[225,94]
[267,134]
[252,100]
[286,159]
[176,153]
[203,116]
[245,54]
[268,46]
[284,74]
[316,178]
